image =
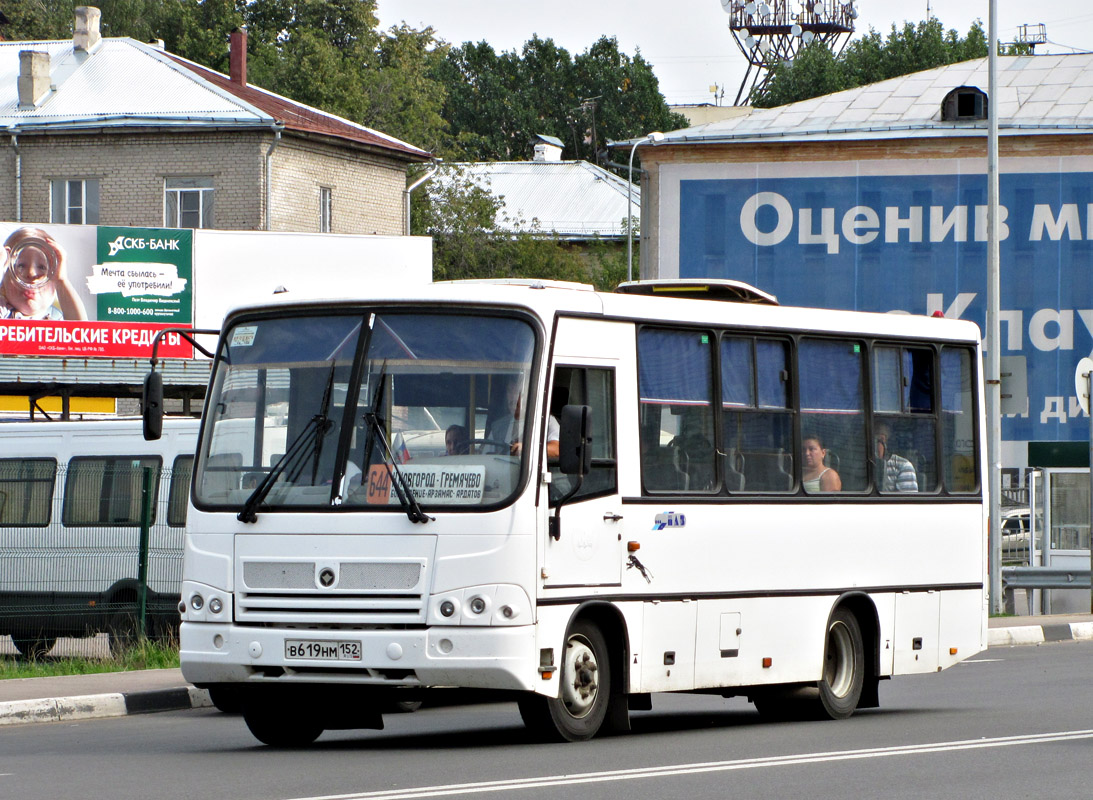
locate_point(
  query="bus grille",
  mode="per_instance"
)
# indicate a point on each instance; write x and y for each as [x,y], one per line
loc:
[361,593]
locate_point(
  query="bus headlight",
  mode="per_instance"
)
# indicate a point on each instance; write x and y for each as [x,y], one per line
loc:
[447,608]
[216,605]
[197,602]
[501,604]
[478,604]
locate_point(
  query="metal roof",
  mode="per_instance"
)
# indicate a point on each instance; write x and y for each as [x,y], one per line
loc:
[570,199]
[125,83]
[1036,95]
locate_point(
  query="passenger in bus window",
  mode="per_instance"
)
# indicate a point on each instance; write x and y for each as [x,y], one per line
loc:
[506,429]
[817,476]
[456,441]
[896,473]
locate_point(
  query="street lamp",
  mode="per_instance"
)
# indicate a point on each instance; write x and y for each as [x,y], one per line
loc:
[655,136]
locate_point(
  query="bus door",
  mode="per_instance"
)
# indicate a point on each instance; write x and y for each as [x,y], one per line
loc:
[589,549]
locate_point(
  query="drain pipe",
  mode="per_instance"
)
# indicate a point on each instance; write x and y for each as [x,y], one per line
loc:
[432,171]
[277,128]
[18,178]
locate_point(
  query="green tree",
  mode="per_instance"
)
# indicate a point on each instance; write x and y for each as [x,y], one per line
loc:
[498,103]
[869,59]
[38,20]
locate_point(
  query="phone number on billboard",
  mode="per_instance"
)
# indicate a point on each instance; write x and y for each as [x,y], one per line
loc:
[145,312]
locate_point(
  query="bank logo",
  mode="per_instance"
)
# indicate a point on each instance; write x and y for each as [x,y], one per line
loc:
[130,243]
[669,519]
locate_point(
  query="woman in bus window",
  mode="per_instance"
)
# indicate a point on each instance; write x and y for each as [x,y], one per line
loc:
[817,477]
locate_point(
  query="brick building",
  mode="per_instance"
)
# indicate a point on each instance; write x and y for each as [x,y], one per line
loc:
[118,132]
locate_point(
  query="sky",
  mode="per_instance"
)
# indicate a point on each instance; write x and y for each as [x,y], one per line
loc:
[688,41]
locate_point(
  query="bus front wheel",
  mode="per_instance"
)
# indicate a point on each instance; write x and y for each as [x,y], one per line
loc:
[585,676]
[280,724]
[844,666]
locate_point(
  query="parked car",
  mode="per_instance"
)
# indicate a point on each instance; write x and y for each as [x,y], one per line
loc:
[1015,535]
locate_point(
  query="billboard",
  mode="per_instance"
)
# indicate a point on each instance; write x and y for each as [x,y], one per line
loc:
[89,291]
[908,237]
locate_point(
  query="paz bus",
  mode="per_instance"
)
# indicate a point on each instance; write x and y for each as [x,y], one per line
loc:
[70,528]
[651,521]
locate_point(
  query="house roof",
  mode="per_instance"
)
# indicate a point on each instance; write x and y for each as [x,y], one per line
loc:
[125,83]
[570,199]
[1046,94]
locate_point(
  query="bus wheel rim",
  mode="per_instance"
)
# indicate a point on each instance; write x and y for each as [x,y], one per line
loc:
[839,669]
[580,681]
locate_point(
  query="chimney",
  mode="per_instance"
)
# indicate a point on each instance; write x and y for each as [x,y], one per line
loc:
[237,56]
[547,152]
[33,80]
[87,28]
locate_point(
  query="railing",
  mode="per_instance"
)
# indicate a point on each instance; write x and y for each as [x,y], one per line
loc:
[1041,578]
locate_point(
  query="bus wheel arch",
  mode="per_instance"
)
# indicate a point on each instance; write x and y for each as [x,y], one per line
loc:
[591,684]
[865,610]
[849,671]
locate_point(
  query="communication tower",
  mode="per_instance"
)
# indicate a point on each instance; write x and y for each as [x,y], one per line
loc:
[770,32]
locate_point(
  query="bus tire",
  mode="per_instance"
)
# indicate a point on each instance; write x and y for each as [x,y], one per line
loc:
[123,630]
[226,698]
[33,648]
[585,694]
[840,685]
[279,724]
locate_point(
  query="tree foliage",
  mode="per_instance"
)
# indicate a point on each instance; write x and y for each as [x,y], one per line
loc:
[871,58]
[584,100]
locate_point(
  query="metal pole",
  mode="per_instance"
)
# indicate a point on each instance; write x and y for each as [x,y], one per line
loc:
[630,215]
[147,504]
[994,340]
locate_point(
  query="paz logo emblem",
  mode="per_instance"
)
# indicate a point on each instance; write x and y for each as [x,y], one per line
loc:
[326,577]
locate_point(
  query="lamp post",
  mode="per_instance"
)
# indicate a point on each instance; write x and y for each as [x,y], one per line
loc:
[655,136]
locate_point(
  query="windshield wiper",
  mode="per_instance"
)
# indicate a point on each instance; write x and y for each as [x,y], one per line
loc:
[402,489]
[295,455]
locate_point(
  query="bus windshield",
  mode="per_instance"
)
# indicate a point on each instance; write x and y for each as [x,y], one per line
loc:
[379,410]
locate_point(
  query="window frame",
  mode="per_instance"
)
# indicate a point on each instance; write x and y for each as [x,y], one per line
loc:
[61,208]
[326,209]
[47,502]
[604,464]
[178,490]
[107,495]
[203,186]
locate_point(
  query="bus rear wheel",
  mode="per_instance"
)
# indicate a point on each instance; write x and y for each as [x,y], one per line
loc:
[585,676]
[33,647]
[840,686]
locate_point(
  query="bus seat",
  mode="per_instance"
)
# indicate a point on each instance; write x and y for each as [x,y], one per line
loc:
[764,471]
[732,464]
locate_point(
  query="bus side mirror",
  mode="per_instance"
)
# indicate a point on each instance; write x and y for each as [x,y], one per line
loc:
[575,436]
[152,406]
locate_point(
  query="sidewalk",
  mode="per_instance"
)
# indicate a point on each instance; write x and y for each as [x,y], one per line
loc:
[113,694]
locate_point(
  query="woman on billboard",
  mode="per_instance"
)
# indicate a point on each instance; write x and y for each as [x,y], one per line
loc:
[35,283]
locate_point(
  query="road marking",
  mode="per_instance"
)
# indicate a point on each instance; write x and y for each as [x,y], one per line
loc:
[646,773]
[983,661]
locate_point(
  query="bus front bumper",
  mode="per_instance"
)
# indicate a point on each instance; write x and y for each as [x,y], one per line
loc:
[466,657]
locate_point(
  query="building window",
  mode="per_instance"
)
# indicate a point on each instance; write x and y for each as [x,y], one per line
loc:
[74,202]
[324,208]
[188,203]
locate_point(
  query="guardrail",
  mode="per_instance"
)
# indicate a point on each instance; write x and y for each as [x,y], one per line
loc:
[1041,578]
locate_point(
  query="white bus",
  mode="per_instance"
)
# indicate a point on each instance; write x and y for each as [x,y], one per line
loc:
[70,528]
[686,539]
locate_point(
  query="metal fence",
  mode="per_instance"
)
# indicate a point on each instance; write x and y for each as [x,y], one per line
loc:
[90,556]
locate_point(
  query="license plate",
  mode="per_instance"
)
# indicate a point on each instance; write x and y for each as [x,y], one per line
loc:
[318,649]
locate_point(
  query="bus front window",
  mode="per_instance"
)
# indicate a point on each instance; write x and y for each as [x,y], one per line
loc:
[332,411]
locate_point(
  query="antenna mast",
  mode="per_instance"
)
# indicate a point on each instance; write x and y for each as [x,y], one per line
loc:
[770,32]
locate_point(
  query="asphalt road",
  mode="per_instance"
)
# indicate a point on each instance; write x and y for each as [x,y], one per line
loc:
[1013,722]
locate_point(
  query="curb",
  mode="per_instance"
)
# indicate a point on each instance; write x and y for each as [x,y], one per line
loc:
[1038,634]
[93,706]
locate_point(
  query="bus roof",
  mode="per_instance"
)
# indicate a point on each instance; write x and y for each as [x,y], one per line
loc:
[547,299]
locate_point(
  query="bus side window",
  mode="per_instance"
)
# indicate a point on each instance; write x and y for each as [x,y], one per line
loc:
[27,488]
[833,406]
[675,390]
[594,388]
